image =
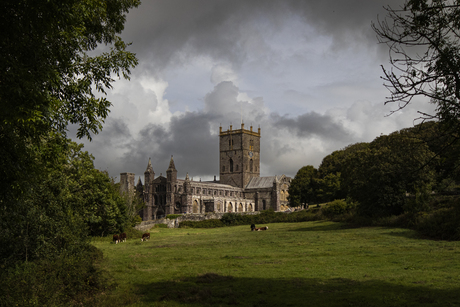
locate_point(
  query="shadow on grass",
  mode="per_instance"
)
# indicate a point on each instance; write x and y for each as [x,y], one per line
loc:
[216,290]
[320,226]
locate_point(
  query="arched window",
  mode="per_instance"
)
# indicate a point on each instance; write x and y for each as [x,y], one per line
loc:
[223,168]
[251,165]
[231,165]
[236,167]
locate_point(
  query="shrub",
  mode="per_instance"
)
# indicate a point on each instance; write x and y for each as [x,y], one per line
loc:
[212,223]
[441,224]
[66,280]
[173,216]
[337,207]
[160,226]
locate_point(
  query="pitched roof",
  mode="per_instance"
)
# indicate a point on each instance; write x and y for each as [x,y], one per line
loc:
[261,182]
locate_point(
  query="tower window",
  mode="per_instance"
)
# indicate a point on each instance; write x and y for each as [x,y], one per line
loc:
[231,165]
[237,167]
[251,165]
[223,168]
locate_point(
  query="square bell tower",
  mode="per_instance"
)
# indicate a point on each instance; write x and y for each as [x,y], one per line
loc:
[239,158]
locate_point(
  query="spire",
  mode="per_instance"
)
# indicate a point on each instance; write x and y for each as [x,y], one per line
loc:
[139,182]
[172,167]
[187,178]
[149,167]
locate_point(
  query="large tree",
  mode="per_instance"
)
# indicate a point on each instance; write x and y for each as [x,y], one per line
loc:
[423,38]
[57,59]
[380,176]
[302,190]
[50,70]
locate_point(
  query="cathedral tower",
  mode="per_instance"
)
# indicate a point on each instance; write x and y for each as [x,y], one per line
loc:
[239,159]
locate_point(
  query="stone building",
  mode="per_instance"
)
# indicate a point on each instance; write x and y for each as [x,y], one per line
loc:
[239,188]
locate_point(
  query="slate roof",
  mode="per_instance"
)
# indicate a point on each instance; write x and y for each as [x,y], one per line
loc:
[261,182]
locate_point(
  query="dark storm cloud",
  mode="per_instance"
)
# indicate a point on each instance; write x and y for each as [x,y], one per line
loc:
[312,124]
[189,139]
[175,31]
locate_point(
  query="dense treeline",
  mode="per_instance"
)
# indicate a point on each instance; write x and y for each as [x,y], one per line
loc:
[402,174]
[52,199]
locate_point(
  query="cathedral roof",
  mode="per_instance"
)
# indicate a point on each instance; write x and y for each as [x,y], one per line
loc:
[261,182]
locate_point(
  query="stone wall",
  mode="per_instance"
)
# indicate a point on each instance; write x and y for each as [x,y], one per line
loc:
[174,223]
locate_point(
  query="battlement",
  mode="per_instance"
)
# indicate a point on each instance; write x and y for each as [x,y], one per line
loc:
[230,131]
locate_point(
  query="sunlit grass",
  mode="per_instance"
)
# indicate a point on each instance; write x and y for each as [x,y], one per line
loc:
[296,264]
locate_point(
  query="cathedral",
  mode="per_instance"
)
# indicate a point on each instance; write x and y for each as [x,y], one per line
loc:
[239,188]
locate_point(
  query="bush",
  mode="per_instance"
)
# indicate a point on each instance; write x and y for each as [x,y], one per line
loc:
[212,223]
[443,224]
[69,279]
[173,216]
[337,207]
[265,217]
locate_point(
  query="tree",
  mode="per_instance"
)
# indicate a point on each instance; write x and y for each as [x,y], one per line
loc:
[302,189]
[380,176]
[51,69]
[330,173]
[424,42]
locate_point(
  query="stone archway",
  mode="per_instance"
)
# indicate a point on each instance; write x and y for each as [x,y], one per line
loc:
[240,207]
[229,207]
[195,207]
[250,208]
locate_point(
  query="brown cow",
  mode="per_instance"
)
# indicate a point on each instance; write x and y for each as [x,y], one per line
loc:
[116,239]
[145,236]
[261,228]
[122,237]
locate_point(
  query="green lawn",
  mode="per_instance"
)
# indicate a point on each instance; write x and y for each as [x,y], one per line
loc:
[297,264]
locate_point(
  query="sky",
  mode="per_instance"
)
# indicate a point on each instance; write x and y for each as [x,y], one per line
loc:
[307,72]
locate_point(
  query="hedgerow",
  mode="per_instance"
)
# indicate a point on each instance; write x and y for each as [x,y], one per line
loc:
[265,217]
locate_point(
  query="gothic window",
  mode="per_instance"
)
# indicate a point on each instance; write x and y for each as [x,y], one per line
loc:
[251,165]
[223,168]
[231,166]
[236,167]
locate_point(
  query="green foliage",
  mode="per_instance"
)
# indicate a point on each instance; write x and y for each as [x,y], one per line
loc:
[265,217]
[211,223]
[67,279]
[337,207]
[51,194]
[302,189]
[173,216]
[380,176]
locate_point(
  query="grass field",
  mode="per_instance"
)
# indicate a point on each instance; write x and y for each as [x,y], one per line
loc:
[297,264]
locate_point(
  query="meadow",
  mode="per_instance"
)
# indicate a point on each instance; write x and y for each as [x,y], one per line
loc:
[318,263]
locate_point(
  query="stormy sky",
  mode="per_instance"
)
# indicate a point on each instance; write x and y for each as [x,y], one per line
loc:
[306,72]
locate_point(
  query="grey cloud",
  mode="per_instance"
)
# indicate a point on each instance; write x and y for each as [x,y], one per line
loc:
[189,139]
[312,124]
[173,31]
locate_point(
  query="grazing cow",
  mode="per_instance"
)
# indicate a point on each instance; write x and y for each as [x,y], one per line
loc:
[145,236]
[253,227]
[122,237]
[262,228]
[116,239]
